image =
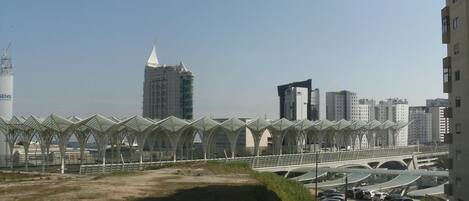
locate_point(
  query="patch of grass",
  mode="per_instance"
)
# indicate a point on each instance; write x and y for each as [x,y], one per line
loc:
[285,189]
[212,166]
[216,193]
[15,176]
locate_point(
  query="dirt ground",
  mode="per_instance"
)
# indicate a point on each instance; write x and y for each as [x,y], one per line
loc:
[173,184]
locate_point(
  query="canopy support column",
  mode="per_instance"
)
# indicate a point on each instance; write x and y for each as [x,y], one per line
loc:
[257,135]
[360,140]
[141,144]
[233,139]
[82,138]
[130,140]
[174,139]
[45,139]
[26,137]
[11,137]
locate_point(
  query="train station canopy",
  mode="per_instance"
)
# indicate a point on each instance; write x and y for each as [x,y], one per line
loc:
[101,124]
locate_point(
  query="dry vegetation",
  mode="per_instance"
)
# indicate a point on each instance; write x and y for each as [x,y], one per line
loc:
[194,182]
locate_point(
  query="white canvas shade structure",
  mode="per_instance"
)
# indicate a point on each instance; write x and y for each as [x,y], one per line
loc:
[63,129]
[232,127]
[44,135]
[257,128]
[179,134]
[205,127]
[279,130]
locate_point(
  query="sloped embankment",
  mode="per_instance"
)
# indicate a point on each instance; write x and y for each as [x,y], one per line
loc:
[181,182]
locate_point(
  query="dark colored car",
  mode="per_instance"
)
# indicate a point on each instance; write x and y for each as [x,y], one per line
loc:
[355,193]
[392,197]
[402,199]
[327,192]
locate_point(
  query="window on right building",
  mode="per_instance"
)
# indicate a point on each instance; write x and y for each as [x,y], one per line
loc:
[457,128]
[458,155]
[457,101]
[458,182]
[456,49]
[457,75]
[455,22]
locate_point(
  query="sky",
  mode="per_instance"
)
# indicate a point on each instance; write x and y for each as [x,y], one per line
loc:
[85,57]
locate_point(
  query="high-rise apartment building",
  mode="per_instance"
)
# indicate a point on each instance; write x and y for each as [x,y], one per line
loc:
[396,110]
[363,112]
[371,104]
[440,124]
[341,105]
[437,102]
[299,101]
[315,104]
[455,32]
[296,103]
[167,90]
[420,130]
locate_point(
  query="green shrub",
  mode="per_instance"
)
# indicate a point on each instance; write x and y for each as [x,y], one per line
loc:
[286,189]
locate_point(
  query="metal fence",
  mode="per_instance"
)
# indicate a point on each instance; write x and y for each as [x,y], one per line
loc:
[275,160]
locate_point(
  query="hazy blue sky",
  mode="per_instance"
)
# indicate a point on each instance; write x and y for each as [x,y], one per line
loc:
[84,57]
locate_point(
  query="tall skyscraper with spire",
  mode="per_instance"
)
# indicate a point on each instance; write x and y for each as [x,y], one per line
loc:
[6,98]
[167,89]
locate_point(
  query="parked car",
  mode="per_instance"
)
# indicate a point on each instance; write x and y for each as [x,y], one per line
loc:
[336,195]
[356,193]
[379,196]
[327,192]
[341,198]
[392,196]
[368,195]
[403,199]
[330,199]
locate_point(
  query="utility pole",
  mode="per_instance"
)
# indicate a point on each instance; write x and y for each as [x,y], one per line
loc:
[346,186]
[316,178]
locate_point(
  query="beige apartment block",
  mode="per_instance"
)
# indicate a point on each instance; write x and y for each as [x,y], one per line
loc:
[455,30]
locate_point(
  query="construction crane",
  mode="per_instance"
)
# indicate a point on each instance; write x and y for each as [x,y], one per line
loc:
[5,61]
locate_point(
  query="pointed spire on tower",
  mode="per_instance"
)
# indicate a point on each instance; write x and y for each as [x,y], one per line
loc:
[153,59]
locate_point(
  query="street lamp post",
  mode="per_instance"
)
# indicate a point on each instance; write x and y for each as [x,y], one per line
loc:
[346,186]
[316,178]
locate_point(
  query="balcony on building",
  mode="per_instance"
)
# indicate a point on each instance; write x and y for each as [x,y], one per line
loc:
[448,188]
[447,78]
[450,163]
[448,112]
[445,25]
[448,138]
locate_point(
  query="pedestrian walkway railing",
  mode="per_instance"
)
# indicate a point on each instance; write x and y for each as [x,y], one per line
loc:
[267,161]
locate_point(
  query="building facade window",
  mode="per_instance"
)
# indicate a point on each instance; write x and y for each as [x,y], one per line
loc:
[458,155]
[446,75]
[456,49]
[457,128]
[458,182]
[445,24]
[457,101]
[457,75]
[455,22]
